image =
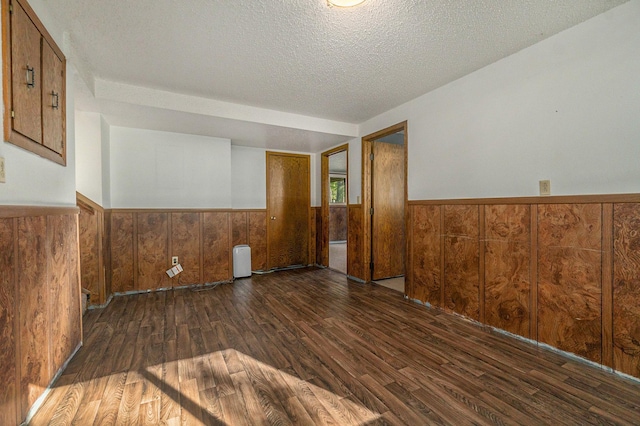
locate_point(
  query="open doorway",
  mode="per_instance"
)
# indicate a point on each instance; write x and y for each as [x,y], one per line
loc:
[334,208]
[385,201]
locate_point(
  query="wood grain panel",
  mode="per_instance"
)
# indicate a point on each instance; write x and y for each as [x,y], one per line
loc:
[75,306]
[355,243]
[103,250]
[337,223]
[571,225]
[216,247]
[59,297]
[607,284]
[570,278]
[426,251]
[33,309]
[121,236]
[533,267]
[258,240]
[40,317]
[153,251]
[239,228]
[89,253]
[481,263]
[508,223]
[507,286]
[507,268]
[185,243]
[106,250]
[461,254]
[626,288]
[314,234]
[319,238]
[8,333]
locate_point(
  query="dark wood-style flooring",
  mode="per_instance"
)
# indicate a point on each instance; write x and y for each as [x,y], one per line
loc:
[309,347]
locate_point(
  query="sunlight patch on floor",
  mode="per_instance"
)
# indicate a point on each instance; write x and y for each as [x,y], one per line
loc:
[230,387]
[396,283]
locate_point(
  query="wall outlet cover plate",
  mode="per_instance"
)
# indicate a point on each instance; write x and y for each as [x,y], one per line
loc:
[545,187]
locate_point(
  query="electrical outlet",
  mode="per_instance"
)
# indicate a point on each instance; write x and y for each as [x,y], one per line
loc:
[174,260]
[545,187]
[2,171]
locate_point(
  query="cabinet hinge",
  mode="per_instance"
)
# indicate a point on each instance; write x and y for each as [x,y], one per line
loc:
[13,114]
[371,211]
[371,157]
[10,7]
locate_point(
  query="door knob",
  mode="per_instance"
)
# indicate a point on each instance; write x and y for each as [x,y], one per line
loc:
[273,218]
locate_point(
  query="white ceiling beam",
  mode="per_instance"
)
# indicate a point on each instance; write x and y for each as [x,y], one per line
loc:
[145,96]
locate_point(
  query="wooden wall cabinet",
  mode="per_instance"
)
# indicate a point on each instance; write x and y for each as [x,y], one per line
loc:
[34,83]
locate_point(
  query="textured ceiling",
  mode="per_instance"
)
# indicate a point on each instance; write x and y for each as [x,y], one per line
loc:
[301,56]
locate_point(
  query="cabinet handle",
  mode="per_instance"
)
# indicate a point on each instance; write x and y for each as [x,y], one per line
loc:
[31,77]
[55,101]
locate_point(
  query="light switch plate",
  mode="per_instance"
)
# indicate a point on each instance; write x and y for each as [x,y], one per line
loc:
[545,187]
[3,177]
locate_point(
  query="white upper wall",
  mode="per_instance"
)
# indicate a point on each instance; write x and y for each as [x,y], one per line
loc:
[89,155]
[565,109]
[105,135]
[151,169]
[354,180]
[316,196]
[248,178]
[30,179]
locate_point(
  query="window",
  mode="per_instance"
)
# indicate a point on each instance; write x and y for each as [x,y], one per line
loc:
[338,187]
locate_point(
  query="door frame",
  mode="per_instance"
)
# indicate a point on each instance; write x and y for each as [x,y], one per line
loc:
[367,232]
[324,206]
[269,154]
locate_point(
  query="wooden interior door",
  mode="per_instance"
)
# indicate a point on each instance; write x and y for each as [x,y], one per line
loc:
[288,209]
[387,189]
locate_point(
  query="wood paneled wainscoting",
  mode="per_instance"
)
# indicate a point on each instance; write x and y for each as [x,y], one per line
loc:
[355,243]
[129,250]
[40,313]
[337,223]
[317,237]
[142,243]
[564,271]
[94,248]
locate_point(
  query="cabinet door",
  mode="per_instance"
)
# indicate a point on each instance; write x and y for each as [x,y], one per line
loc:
[26,77]
[52,99]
